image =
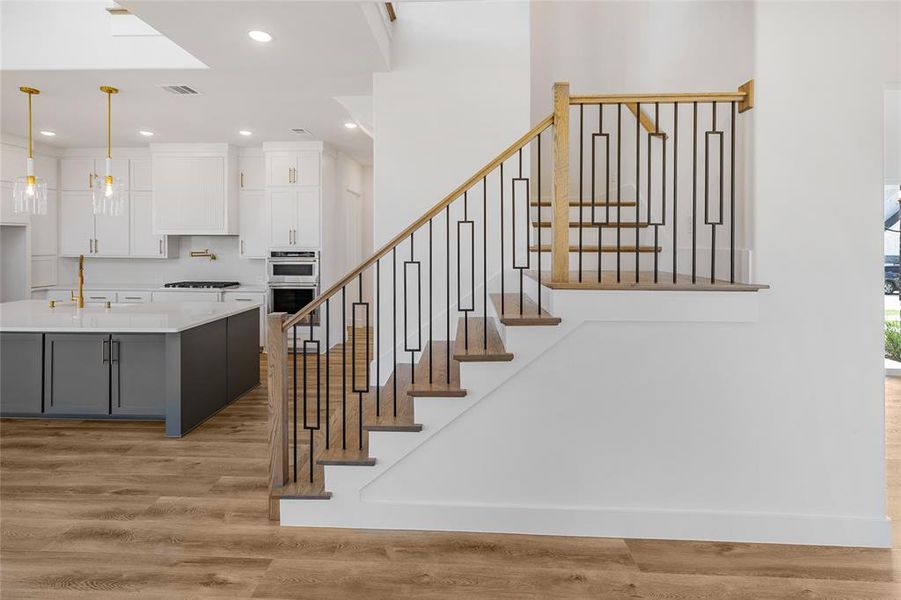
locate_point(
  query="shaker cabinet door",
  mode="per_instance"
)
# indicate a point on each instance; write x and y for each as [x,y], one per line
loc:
[76,373]
[307,235]
[281,217]
[76,224]
[138,383]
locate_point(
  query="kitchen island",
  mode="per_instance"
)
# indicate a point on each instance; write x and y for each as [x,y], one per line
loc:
[180,362]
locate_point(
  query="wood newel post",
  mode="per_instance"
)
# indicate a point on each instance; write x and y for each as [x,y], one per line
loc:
[560,247]
[277,378]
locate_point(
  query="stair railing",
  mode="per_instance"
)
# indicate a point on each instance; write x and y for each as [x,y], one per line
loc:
[334,366]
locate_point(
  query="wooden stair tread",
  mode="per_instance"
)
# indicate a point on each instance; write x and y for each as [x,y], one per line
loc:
[583,204]
[442,364]
[645,282]
[475,350]
[546,248]
[590,225]
[302,490]
[386,420]
[530,317]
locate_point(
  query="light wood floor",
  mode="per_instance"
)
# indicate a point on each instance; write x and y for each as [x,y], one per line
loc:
[114,510]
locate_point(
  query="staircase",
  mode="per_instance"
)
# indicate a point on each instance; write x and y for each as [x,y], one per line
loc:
[463,300]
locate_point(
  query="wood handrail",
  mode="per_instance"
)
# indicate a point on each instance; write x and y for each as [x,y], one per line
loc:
[431,213]
[662,98]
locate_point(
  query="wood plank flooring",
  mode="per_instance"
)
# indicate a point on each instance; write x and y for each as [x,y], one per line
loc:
[102,510]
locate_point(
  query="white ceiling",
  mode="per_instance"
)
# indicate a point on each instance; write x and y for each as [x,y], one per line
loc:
[320,50]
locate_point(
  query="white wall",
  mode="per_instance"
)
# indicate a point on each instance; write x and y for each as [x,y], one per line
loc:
[456,96]
[893,136]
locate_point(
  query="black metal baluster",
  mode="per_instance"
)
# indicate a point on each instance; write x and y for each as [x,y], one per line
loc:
[539,218]
[378,338]
[484,264]
[732,199]
[619,188]
[694,191]
[513,199]
[638,182]
[581,185]
[294,378]
[606,188]
[447,338]
[431,331]
[328,397]
[394,324]
[502,235]
[418,315]
[459,283]
[675,189]
[356,388]
[344,368]
[706,198]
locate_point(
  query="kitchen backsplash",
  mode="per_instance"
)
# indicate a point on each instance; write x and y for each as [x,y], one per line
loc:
[227,266]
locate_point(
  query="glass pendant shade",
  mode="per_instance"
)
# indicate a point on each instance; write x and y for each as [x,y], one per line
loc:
[108,195]
[30,194]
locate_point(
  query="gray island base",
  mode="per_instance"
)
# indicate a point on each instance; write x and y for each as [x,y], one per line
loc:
[181,363]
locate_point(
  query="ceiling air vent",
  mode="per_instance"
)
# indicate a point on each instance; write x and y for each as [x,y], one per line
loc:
[180,90]
[300,131]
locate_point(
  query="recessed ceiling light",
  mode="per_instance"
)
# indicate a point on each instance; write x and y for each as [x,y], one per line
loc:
[145,133]
[245,132]
[350,125]
[48,133]
[259,36]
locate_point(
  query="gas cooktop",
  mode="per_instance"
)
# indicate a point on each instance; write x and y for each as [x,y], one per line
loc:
[202,284]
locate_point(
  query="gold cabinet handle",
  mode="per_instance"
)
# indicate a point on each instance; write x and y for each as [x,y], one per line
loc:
[90,181]
[242,179]
[161,246]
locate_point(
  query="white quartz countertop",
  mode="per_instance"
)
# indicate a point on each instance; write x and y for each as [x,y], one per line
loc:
[36,316]
[151,287]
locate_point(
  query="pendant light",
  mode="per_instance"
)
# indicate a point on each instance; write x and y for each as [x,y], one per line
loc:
[30,192]
[108,194]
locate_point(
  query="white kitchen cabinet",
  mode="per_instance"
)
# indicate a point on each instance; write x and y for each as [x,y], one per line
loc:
[257,298]
[142,241]
[251,172]
[12,162]
[282,216]
[253,224]
[307,168]
[83,232]
[76,223]
[77,173]
[133,297]
[141,175]
[306,230]
[173,296]
[280,168]
[297,167]
[8,216]
[194,190]
[294,217]
[111,233]
[46,168]
[44,231]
